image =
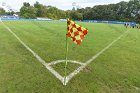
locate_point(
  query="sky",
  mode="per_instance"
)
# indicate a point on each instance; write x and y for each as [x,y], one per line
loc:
[61,4]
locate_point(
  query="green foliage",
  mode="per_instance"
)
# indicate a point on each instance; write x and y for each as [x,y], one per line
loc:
[26,4]
[2,11]
[55,13]
[40,10]
[75,15]
[122,11]
[28,11]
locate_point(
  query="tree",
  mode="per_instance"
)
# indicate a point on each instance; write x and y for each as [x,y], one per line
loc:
[122,11]
[26,4]
[2,11]
[27,11]
[41,9]
[75,15]
[55,13]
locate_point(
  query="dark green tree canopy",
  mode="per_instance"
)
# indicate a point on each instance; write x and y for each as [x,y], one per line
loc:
[27,11]
[122,11]
[2,11]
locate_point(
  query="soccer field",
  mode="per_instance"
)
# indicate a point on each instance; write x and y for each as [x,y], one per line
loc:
[115,70]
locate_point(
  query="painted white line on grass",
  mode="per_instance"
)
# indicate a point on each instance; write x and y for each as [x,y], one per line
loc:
[93,58]
[56,74]
[137,88]
[61,61]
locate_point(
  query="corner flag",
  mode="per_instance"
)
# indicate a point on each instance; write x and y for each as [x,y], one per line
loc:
[76,32]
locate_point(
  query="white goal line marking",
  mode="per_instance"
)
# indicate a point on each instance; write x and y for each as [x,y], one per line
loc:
[70,61]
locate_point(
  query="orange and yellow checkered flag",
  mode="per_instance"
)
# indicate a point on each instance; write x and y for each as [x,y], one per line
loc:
[76,32]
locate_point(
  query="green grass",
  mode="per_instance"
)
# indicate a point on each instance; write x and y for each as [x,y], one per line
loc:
[115,71]
[60,68]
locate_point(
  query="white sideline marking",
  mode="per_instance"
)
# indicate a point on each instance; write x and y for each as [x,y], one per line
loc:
[61,61]
[56,74]
[92,59]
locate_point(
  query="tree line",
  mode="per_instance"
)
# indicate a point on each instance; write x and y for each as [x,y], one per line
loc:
[122,11]
[40,10]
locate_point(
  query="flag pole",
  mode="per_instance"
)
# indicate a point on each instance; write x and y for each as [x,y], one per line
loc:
[66,57]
